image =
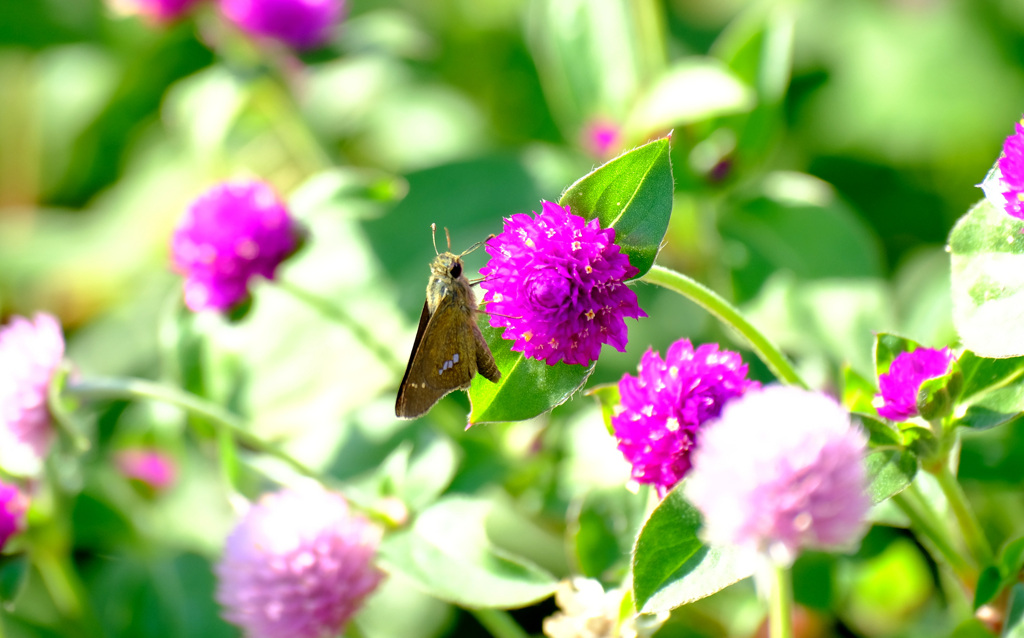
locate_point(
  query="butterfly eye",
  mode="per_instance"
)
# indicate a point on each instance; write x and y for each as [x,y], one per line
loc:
[456,270]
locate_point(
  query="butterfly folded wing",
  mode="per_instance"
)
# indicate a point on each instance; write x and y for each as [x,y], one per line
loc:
[444,358]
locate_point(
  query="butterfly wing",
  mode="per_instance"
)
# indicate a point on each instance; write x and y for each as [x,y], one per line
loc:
[444,358]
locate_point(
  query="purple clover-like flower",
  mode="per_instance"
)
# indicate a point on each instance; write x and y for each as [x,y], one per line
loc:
[301,24]
[30,353]
[229,234]
[601,137]
[12,512]
[664,407]
[781,470]
[150,466]
[160,11]
[557,285]
[297,565]
[1011,169]
[897,400]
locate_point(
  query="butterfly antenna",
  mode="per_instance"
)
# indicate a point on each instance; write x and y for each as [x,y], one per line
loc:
[477,245]
[449,238]
[433,236]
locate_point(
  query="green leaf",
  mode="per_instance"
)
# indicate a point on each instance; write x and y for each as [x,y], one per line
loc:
[993,391]
[527,388]
[1011,558]
[880,433]
[602,528]
[1014,625]
[888,347]
[987,256]
[990,582]
[694,90]
[983,373]
[632,194]
[13,573]
[889,473]
[448,554]
[608,398]
[672,567]
[858,391]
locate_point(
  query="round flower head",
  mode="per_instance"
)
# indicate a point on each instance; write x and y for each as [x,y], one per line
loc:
[297,565]
[229,234]
[665,405]
[12,512]
[150,466]
[556,284]
[301,24]
[897,400]
[160,11]
[1011,169]
[782,469]
[30,353]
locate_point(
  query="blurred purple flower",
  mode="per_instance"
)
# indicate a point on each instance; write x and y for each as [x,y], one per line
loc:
[229,234]
[151,466]
[601,137]
[897,400]
[12,512]
[557,285]
[301,24]
[30,353]
[664,407]
[297,565]
[781,470]
[160,11]
[1011,168]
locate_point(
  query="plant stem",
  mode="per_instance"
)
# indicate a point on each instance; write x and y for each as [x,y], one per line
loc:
[336,313]
[727,314]
[974,536]
[498,623]
[780,610]
[924,522]
[138,389]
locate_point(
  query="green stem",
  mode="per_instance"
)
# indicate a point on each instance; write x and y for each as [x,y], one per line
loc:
[780,610]
[136,389]
[925,523]
[498,623]
[974,536]
[65,589]
[719,307]
[337,313]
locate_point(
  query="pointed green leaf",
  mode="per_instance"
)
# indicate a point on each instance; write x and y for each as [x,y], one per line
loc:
[889,473]
[632,194]
[880,433]
[448,555]
[993,391]
[987,251]
[527,387]
[672,567]
[888,347]
[1014,625]
[989,583]
[858,391]
[602,527]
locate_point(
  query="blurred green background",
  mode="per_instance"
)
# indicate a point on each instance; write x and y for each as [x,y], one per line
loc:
[822,150]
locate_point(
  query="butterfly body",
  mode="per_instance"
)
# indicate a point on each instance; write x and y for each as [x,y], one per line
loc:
[449,349]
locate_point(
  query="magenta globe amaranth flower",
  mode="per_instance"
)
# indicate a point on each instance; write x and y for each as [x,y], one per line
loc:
[301,24]
[30,353]
[899,386]
[664,407]
[1011,169]
[230,234]
[781,470]
[12,512]
[297,565]
[556,284]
